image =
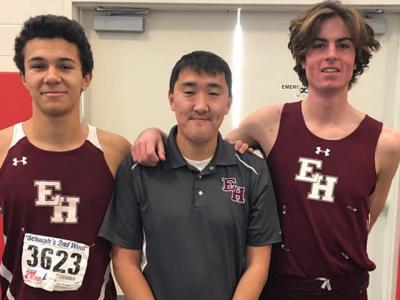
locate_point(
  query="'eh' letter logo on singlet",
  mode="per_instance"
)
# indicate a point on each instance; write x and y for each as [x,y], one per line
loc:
[322,186]
[65,208]
[237,192]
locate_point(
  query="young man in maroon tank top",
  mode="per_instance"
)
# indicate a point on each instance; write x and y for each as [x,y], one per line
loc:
[56,173]
[331,164]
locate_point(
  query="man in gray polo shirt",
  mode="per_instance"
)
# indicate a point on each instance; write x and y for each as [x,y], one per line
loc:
[200,224]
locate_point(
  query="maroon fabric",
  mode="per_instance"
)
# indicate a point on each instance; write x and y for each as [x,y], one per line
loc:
[294,288]
[83,173]
[324,231]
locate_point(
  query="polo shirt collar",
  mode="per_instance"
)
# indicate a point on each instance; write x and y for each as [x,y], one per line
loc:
[224,155]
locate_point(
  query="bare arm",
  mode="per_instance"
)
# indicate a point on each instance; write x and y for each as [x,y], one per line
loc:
[115,148]
[255,276]
[126,264]
[387,159]
[5,141]
[148,149]
[259,129]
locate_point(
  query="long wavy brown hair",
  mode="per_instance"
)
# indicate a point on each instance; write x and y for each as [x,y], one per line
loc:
[305,27]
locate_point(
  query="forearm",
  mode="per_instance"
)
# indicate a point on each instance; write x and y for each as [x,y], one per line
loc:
[255,276]
[129,275]
[132,282]
[251,283]
[374,214]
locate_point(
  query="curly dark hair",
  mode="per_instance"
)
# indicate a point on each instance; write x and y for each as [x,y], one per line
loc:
[305,27]
[51,26]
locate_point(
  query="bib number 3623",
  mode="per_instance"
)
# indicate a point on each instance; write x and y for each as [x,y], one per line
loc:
[53,264]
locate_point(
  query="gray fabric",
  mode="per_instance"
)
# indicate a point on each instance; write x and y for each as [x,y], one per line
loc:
[196,233]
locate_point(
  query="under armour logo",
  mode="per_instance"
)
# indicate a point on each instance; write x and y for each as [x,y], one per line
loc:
[326,152]
[237,192]
[23,161]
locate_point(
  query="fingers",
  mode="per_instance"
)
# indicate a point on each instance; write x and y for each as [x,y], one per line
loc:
[144,153]
[148,149]
[160,150]
[149,156]
[242,147]
[237,145]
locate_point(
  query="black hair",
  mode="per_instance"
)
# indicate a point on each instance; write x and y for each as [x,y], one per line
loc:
[49,27]
[201,62]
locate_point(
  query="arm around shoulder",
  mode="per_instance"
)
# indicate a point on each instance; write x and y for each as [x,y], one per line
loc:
[148,149]
[387,160]
[259,128]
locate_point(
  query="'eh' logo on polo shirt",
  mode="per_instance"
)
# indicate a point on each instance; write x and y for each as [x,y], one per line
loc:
[237,192]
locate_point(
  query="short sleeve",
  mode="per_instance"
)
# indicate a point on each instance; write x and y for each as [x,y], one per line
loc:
[122,224]
[263,227]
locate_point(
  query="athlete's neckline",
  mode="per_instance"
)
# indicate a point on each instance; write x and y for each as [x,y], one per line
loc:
[325,139]
[54,152]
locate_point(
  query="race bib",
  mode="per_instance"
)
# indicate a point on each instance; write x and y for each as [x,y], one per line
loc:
[53,264]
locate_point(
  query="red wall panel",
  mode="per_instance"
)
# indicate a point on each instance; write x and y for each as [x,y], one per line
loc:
[15,101]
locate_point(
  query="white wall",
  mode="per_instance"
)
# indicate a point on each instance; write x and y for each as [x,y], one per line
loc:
[12,14]
[129,90]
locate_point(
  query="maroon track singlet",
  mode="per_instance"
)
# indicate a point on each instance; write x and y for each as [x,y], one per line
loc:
[322,189]
[53,205]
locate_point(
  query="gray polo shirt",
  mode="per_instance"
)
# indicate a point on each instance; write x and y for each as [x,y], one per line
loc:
[192,226]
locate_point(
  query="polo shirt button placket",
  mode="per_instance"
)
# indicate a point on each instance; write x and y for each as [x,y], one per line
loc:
[199,198]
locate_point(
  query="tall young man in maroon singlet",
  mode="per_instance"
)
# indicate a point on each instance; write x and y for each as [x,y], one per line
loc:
[56,173]
[331,164]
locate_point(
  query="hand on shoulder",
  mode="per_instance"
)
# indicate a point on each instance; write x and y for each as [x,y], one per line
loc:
[242,147]
[148,148]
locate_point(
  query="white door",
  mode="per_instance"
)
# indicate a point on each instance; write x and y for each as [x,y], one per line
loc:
[129,90]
